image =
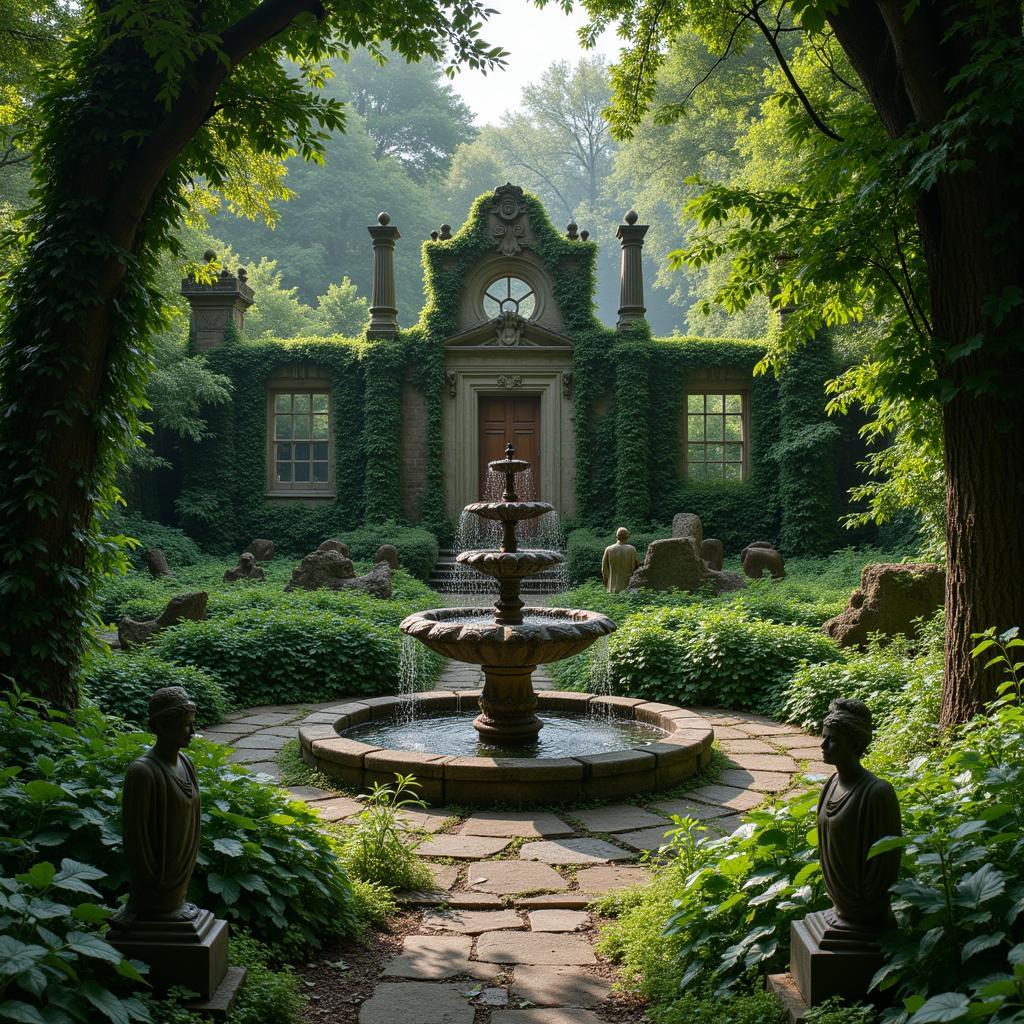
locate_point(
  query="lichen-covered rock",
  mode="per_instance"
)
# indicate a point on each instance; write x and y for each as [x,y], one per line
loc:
[132,632]
[889,599]
[335,545]
[686,524]
[321,568]
[247,569]
[759,558]
[261,549]
[672,564]
[376,582]
[723,581]
[387,553]
[156,561]
[713,553]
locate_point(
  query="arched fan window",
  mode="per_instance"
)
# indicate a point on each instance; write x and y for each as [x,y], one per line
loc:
[509,295]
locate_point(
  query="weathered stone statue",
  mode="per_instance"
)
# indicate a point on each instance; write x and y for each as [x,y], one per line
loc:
[834,952]
[160,814]
[619,562]
[182,944]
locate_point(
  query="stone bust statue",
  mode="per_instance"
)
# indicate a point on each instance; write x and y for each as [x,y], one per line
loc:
[160,815]
[855,810]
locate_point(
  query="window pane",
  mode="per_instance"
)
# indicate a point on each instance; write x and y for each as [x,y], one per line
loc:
[733,403]
[302,452]
[734,428]
[320,472]
[694,403]
[491,308]
[302,403]
[714,453]
[714,403]
[301,472]
[320,403]
[714,428]
[282,403]
[301,427]
[695,428]
[517,289]
[284,472]
[695,453]
[320,426]
[320,450]
[282,426]
[714,470]
[695,471]
[284,452]
[733,471]
[734,453]
[526,307]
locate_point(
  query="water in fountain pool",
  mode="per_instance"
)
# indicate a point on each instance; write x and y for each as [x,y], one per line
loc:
[412,672]
[600,664]
[562,736]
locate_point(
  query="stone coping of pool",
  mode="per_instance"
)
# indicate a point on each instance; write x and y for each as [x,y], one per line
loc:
[683,751]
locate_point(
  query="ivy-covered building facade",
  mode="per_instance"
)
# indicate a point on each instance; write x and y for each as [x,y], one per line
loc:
[324,435]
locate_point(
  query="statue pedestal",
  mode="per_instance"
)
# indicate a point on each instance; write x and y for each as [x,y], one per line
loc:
[826,961]
[192,954]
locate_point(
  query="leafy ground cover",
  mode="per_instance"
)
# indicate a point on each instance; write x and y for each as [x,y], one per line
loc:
[716,916]
[259,645]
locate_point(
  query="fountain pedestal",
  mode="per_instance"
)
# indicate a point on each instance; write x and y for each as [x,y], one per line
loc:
[508,706]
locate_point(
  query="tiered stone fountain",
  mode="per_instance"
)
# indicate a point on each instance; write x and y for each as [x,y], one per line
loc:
[595,746]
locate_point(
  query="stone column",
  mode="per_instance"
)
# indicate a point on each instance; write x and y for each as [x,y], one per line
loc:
[216,306]
[631,278]
[383,308]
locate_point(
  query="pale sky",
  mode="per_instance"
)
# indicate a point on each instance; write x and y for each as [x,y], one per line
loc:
[535,39]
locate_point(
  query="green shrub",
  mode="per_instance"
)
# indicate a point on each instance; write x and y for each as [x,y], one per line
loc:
[288,655]
[379,848]
[417,547]
[180,549]
[265,862]
[752,1008]
[269,995]
[121,684]
[718,656]
[835,1011]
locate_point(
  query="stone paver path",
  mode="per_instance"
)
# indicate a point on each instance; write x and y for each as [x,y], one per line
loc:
[506,935]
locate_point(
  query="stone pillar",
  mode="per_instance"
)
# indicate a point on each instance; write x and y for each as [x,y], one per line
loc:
[383,308]
[631,278]
[215,306]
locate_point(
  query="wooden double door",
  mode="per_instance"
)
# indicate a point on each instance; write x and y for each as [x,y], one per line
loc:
[509,418]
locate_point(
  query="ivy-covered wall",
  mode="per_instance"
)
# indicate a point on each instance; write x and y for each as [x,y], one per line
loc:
[628,392]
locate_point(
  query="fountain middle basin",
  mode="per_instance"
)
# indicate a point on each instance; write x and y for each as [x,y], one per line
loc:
[682,749]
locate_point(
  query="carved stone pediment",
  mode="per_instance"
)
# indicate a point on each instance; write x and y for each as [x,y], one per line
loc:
[507,220]
[509,331]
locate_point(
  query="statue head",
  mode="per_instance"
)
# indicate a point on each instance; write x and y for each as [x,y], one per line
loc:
[846,731]
[172,715]
[622,535]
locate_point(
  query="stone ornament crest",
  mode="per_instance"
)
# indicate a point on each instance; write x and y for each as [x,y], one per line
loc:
[510,328]
[510,381]
[508,207]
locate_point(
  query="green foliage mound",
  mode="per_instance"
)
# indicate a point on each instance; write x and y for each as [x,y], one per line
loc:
[122,683]
[716,916]
[698,655]
[417,548]
[264,860]
[179,548]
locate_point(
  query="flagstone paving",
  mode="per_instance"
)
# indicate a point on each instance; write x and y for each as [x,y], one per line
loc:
[506,932]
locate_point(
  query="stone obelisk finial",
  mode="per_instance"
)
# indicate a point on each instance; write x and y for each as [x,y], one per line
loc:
[383,307]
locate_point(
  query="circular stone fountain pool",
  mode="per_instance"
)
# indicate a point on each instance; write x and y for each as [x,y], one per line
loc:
[657,746]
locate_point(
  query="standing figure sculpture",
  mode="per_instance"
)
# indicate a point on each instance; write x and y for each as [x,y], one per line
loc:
[160,816]
[835,952]
[619,562]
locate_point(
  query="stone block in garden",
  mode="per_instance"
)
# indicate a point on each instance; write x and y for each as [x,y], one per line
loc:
[247,569]
[334,545]
[713,553]
[686,524]
[890,598]
[673,564]
[261,549]
[759,558]
[377,582]
[417,1003]
[132,632]
[319,569]
[387,553]
[156,562]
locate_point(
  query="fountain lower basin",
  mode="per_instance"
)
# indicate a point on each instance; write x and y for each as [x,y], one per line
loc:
[683,749]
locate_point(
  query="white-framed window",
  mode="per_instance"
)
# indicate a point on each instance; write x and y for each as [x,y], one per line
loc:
[716,435]
[301,447]
[508,294]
